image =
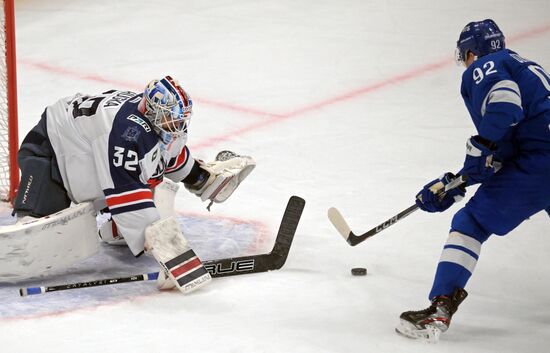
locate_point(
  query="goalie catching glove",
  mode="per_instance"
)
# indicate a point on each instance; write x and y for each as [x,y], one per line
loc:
[217,180]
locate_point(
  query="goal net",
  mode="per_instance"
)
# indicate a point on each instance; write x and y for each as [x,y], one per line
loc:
[9,172]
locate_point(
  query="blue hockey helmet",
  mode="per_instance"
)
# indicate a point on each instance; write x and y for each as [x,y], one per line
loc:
[480,38]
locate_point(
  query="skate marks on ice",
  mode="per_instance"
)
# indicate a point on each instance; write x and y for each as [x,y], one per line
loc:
[211,237]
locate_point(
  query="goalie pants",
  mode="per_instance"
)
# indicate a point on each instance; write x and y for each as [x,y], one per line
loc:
[516,192]
[41,191]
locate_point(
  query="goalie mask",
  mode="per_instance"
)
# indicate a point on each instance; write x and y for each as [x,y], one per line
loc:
[168,107]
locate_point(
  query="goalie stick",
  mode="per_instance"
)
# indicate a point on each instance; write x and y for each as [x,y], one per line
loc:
[273,260]
[353,239]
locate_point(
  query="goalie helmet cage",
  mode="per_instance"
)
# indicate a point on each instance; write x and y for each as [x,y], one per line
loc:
[9,171]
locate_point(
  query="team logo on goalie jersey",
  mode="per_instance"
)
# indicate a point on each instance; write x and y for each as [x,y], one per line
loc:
[131,134]
[136,119]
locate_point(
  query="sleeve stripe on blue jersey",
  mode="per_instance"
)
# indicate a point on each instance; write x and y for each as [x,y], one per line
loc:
[505,91]
[129,198]
[505,96]
[120,190]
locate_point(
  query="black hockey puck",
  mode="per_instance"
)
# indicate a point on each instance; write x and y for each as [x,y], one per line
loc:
[359,271]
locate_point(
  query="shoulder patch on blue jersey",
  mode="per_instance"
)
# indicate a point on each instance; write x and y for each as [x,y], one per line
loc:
[131,134]
[136,119]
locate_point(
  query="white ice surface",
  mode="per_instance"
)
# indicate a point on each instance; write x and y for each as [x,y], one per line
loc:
[353,104]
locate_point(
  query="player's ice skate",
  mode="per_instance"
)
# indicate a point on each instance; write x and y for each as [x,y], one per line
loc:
[429,333]
[428,324]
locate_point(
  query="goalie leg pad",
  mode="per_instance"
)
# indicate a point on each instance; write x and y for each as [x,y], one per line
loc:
[164,197]
[41,192]
[48,244]
[39,195]
[165,241]
[164,282]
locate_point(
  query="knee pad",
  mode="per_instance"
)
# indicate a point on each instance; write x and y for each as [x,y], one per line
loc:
[464,222]
[39,195]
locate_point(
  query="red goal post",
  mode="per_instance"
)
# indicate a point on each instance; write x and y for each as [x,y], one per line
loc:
[9,171]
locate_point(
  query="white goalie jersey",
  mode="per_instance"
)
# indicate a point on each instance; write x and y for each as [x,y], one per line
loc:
[109,153]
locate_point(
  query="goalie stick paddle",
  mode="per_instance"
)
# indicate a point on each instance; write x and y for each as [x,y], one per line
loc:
[266,262]
[353,239]
[152,276]
[273,260]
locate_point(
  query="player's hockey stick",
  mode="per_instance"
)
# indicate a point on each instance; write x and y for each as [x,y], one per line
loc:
[273,260]
[353,239]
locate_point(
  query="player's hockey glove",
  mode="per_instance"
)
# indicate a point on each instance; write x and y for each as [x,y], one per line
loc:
[478,164]
[430,199]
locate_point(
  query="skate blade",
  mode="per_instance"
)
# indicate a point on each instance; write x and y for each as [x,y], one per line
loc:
[430,334]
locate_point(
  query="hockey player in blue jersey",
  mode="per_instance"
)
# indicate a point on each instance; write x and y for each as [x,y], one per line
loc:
[508,98]
[112,149]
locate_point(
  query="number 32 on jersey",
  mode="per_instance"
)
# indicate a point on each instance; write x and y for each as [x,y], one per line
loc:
[126,158]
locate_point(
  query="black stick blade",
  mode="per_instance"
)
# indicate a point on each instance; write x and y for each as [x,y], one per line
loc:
[264,262]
